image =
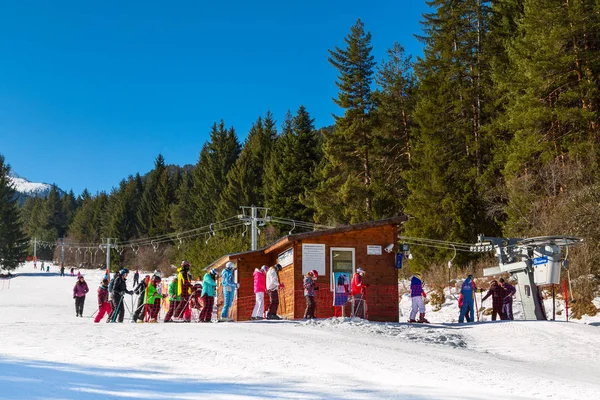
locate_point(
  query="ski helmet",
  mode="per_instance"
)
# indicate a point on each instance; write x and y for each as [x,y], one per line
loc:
[264,268]
[360,271]
[278,267]
[230,265]
[314,273]
[213,272]
[124,271]
[157,273]
[185,265]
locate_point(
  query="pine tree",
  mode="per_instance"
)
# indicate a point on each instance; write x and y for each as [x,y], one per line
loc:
[150,208]
[216,159]
[13,241]
[449,151]
[182,211]
[344,193]
[291,171]
[246,177]
[395,105]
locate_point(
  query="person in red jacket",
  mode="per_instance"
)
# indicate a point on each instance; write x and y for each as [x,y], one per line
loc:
[104,306]
[358,291]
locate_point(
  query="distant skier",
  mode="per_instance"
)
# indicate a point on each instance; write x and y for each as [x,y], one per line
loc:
[229,287]
[79,291]
[417,295]
[468,291]
[119,291]
[497,293]
[62,270]
[209,285]
[104,306]
[72,271]
[358,291]
[140,290]
[47,268]
[136,278]
[310,288]
[273,287]
[509,292]
[260,286]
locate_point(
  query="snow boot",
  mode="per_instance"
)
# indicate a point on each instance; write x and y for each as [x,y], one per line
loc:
[412,321]
[422,319]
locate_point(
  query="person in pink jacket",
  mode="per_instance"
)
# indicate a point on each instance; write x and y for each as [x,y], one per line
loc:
[260,287]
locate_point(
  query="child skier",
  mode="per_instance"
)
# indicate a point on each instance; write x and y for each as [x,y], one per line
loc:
[310,289]
[260,286]
[208,294]
[104,306]
[417,295]
[174,299]
[153,299]
[79,291]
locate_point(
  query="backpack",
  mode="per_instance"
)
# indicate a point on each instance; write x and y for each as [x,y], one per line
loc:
[111,284]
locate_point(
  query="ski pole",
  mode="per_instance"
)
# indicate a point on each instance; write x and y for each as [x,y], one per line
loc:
[114,318]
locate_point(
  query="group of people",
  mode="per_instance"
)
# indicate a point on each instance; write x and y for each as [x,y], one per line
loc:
[501,292]
[266,280]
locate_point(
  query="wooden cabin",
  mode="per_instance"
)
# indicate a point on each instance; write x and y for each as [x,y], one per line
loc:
[336,251]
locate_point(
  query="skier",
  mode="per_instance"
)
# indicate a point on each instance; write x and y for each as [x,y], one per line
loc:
[184,290]
[358,291]
[174,299]
[62,269]
[153,298]
[79,291]
[417,295]
[119,290]
[310,288]
[341,295]
[273,287]
[196,299]
[468,291]
[72,271]
[497,293]
[104,306]
[229,286]
[508,299]
[140,290]
[136,278]
[260,286]
[47,268]
[208,294]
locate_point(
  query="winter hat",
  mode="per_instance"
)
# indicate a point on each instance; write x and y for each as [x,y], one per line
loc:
[278,267]
[185,265]
[314,273]
[105,281]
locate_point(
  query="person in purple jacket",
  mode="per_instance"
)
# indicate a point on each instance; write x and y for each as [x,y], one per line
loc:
[79,292]
[417,295]
[510,291]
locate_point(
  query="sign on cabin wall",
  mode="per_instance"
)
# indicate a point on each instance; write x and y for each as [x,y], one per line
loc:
[286,258]
[374,250]
[313,257]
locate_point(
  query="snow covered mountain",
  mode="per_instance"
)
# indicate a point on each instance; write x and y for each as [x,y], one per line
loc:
[27,188]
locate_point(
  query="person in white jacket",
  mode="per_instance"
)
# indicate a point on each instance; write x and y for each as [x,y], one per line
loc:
[273,286]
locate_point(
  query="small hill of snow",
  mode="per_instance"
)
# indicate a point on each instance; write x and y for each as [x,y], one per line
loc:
[24,186]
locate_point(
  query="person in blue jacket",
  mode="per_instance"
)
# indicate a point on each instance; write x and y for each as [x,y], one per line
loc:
[209,285]
[229,287]
[468,292]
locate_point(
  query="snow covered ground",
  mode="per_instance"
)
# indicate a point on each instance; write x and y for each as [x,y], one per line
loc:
[48,353]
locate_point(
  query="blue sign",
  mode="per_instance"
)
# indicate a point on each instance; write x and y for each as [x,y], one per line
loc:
[399,259]
[540,260]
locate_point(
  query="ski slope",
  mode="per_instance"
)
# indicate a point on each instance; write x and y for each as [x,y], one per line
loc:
[48,353]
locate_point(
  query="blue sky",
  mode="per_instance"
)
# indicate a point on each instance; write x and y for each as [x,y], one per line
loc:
[91,92]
